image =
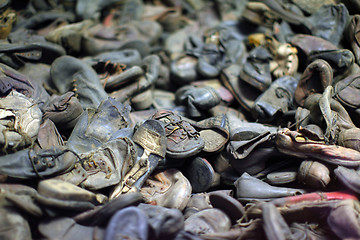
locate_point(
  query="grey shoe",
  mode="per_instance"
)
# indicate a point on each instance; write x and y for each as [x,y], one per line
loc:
[20,121]
[64,110]
[348,177]
[250,187]
[200,174]
[97,126]
[197,99]
[182,138]
[27,47]
[128,223]
[104,166]
[67,229]
[197,202]
[61,190]
[306,44]
[343,220]
[10,79]
[228,204]
[29,163]
[70,36]
[137,35]
[164,223]
[13,224]
[208,221]
[256,70]
[349,138]
[351,32]
[244,93]
[71,74]
[274,224]
[329,22]
[100,215]
[276,100]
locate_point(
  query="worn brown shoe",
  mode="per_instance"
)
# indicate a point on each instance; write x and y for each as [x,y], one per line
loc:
[182,140]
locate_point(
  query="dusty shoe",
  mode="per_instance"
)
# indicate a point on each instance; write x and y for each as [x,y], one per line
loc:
[99,38]
[256,70]
[48,136]
[97,126]
[164,222]
[250,187]
[276,100]
[127,92]
[250,145]
[340,60]
[20,121]
[228,204]
[274,224]
[29,163]
[347,91]
[197,99]
[244,93]
[150,143]
[63,110]
[214,131]
[183,69]
[329,22]
[100,215]
[168,188]
[343,219]
[69,36]
[71,74]
[208,221]
[10,79]
[316,77]
[109,64]
[121,78]
[182,138]
[282,176]
[328,113]
[104,166]
[13,224]
[201,174]
[67,229]
[231,10]
[348,177]
[351,34]
[128,223]
[197,202]
[61,190]
[349,138]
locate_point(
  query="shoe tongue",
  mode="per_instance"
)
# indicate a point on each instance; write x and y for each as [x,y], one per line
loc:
[150,140]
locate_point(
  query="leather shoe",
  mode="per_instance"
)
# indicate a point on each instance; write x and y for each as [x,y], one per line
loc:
[182,139]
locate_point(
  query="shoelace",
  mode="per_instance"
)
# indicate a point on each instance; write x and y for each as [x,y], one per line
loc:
[24,138]
[93,167]
[35,160]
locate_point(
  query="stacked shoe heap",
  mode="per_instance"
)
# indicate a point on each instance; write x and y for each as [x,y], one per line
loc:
[194,119]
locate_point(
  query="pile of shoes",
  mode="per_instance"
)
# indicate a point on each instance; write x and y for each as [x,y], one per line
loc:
[184,120]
